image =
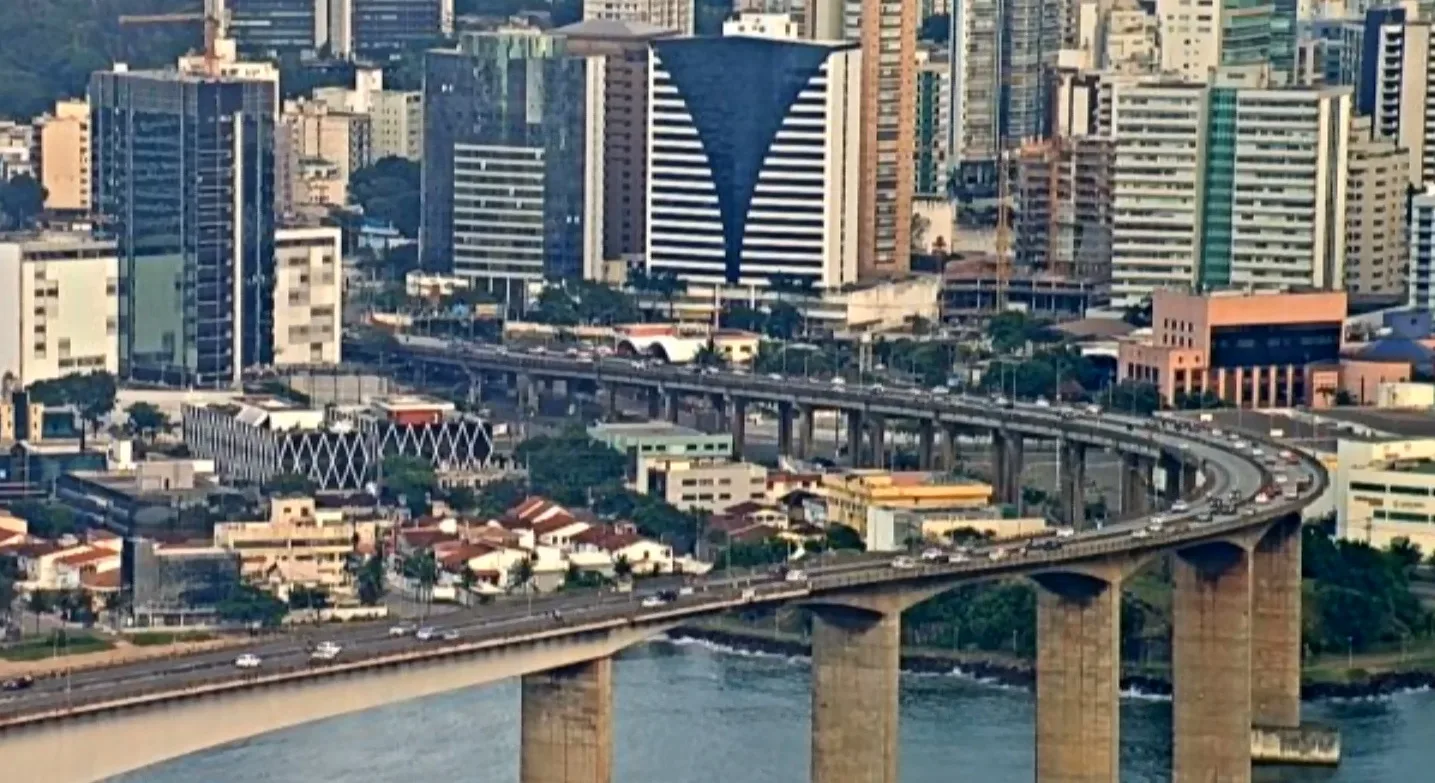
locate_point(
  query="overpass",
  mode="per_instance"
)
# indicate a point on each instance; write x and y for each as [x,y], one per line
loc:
[1236,623]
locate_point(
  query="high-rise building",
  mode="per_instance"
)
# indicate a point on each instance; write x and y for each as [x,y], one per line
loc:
[674,15]
[184,182]
[1244,39]
[934,90]
[379,28]
[1184,214]
[1421,280]
[58,306]
[975,124]
[64,142]
[754,165]
[1387,57]
[622,49]
[308,295]
[312,137]
[273,26]
[1062,197]
[397,120]
[513,160]
[17,149]
[1376,250]
[887,32]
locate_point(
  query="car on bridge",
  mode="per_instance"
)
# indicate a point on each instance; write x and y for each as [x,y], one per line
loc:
[325,651]
[248,661]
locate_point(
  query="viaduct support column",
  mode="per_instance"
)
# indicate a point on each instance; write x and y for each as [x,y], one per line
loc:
[527,393]
[720,411]
[1006,466]
[854,696]
[877,435]
[1135,486]
[855,425]
[927,435]
[737,420]
[1170,479]
[655,403]
[567,725]
[805,416]
[784,429]
[949,447]
[1275,626]
[1073,484]
[1211,664]
[672,403]
[1078,678]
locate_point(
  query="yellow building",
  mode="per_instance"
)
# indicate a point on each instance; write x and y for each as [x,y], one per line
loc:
[299,543]
[852,496]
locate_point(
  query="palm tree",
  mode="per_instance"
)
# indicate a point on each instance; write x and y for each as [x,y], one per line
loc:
[622,568]
[521,575]
[423,568]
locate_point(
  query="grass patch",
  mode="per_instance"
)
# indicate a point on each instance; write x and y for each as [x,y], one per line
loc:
[55,645]
[157,638]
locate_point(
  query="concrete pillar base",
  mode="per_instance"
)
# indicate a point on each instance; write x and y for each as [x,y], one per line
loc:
[1211,664]
[1078,679]
[1276,626]
[567,725]
[855,657]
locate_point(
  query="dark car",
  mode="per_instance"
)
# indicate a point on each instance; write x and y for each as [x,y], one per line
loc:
[17,683]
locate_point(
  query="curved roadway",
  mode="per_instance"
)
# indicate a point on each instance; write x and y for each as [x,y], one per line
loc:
[1228,471]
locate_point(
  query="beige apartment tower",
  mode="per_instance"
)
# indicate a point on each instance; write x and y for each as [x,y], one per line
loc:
[887,30]
[64,138]
[1376,251]
[675,15]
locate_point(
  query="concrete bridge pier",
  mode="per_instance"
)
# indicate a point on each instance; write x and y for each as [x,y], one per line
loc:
[877,438]
[855,656]
[566,733]
[1135,485]
[1078,678]
[950,440]
[855,426]
[1073,483]
[784,429]
[655,402]
[720,411]
[805,419]
[926,437]
[1006,466]
[1211,663]
[526,392]
[1276,626]
[672,405]
[737,421]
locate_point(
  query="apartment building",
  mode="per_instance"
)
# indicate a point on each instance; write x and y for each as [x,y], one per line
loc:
[298,544]
[671,15]
[315,142]
[1184,214]
[1376,247]
[1386,490]
[59,306]
[64,143]
[1420,274]
[308,295]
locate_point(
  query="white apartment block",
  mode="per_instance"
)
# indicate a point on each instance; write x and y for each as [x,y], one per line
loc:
[737,212]
[308,295]
[59,306]
[397,124]
[1421,275]
[1403,105]
[1386,490]
[64,143]
[975,45]
[1376,245]
[17,149]
[1217,187]
[666,14]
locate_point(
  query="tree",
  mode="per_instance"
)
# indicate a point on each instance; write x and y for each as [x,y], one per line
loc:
[520,575]
[1135,397]
[46,519]
[91,394]
[408,480]
[388,190]
[709,356]
[498,497]
[843,537]
[784,321]
[622,567]
[302,597]
[461,498]
[371,580]
[423,568]
[291,484]
[571,468]
[21,200]
[251,606]
[146,420]
[1406,554]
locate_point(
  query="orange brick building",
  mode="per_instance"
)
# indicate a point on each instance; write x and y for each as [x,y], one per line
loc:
[1253,350]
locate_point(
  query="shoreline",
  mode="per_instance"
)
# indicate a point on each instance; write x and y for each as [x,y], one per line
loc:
[985,668]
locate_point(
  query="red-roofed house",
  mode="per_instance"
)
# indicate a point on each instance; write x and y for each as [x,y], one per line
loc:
[644,555]
[559,530]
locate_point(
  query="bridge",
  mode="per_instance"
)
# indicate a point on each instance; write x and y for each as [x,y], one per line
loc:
[1236,617]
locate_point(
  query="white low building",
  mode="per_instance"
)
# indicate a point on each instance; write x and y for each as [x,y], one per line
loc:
[1386,490]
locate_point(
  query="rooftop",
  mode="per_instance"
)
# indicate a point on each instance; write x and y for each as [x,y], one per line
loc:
[645,429]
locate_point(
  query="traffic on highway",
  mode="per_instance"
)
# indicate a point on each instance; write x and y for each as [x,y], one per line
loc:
[1243,481]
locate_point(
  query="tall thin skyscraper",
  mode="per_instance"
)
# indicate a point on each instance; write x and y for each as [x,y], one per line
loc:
[887,31]
[184,182]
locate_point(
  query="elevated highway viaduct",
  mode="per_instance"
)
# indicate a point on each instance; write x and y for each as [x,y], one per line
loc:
[1236,629]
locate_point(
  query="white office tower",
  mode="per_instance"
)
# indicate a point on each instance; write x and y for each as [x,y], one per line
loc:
[753,152]
[666,14]
[1422,250]
[976,92]
[1217,187]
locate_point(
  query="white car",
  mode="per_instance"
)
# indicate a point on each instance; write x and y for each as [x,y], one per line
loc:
[652,601]
[1180,506]
[1065,532]
[1042,402]
[796,575]
[326,651]
[402,629]
[939,390]
[1262,497]
[839,381]
[248,661]
[685,590]
[426,634]
[903,562]
[996,554]
[1093,410]
[451,635]
[932,555]
[1140,533]
[1281,478]
[957,557]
